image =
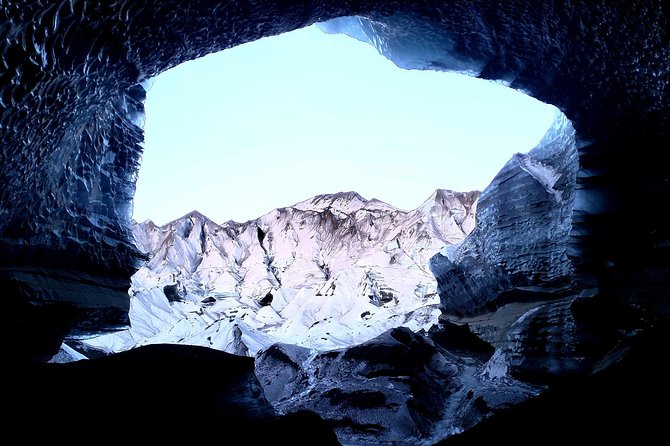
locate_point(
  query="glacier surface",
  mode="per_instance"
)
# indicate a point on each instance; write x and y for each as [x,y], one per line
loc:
[329,272]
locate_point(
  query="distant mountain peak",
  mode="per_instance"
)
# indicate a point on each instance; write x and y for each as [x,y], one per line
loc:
[348,195]
[345,202]
[196,215]
[146,223]
[446,195]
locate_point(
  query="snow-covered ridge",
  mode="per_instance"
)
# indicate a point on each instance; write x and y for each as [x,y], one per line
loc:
[331,271]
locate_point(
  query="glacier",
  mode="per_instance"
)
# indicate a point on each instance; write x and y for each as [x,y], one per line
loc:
[332,271]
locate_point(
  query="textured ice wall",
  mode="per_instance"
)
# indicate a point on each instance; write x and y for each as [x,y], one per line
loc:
[512,278]
[71,116]
[523,227]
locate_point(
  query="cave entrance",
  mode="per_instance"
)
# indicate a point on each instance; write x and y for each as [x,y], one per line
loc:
[262,126]
[276,121]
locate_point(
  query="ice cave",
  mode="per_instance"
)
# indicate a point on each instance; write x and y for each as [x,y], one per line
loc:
[553,310]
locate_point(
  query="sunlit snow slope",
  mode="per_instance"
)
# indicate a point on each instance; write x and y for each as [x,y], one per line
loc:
[331,271]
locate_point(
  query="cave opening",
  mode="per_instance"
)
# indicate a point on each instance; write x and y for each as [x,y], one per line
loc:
[276,121]
[291,99]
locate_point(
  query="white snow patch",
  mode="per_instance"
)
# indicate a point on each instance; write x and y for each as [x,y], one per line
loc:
[496,368]
[546,175]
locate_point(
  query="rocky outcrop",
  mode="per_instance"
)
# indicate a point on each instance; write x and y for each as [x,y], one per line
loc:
[400,388]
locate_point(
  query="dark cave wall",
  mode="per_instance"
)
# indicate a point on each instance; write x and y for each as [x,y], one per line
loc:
[70,116]
[70,105]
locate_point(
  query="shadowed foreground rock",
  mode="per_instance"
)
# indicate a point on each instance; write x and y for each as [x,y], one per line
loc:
[152,393]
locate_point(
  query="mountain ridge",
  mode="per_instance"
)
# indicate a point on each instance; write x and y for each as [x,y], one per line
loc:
[320,197]
[330,271]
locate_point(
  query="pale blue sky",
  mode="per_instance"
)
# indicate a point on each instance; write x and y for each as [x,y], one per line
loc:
[273,122]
